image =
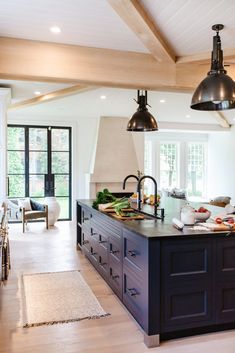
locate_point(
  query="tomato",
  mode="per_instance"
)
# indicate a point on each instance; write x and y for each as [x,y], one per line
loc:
[218,220]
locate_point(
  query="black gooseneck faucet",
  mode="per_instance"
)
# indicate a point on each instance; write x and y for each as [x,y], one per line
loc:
[127,177]
[155,192]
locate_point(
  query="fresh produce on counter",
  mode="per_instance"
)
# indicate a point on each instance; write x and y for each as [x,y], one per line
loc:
[103,197]
[120,206]
[202,210]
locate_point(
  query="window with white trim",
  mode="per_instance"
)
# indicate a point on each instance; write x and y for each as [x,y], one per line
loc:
[195,169]
[168,165]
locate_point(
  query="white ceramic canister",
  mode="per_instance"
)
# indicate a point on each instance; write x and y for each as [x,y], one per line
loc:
[187,215]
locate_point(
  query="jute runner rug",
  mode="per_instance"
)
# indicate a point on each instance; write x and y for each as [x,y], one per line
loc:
[57,297]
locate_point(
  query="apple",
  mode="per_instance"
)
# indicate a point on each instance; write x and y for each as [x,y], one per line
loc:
[202,210]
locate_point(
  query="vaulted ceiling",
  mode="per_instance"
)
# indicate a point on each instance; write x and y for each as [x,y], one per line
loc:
[149,44]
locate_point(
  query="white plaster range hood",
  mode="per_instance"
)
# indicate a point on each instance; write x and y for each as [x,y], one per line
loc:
[118,153]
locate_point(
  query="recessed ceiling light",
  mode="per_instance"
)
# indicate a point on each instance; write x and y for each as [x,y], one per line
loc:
[187,116]
[103,97]
[37,93]
[55,29]
[162,101]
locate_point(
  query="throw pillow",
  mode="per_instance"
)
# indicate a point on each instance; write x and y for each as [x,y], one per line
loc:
[25,203]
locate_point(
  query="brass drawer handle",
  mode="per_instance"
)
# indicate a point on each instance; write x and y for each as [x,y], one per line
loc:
[132,253]
[132,292]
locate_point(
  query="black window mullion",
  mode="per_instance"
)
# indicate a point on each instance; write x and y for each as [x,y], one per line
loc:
[49,168]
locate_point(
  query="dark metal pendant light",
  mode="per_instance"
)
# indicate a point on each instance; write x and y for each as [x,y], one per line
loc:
[217,90]
[142,120]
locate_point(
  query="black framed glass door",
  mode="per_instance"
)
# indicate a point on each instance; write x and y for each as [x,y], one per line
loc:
[39,164]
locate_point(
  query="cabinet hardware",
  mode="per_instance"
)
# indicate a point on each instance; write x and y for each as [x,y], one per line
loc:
[95,233]
[85,242]
[132,253]
[114,251]
[115,277]
[102,241]
[103,263]
[132,291]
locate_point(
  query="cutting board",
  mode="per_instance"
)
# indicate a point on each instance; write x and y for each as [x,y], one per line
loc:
[123,209]
[217,227]
[138,216]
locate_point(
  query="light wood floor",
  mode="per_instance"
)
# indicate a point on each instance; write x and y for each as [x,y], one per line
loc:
[39,250]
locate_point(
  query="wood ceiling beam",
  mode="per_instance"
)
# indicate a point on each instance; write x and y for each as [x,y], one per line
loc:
[52,96]
[135,16]
[51,62]
[222,120]
[204,57]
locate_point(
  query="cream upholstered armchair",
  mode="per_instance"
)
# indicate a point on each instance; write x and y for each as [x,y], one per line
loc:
[27,209]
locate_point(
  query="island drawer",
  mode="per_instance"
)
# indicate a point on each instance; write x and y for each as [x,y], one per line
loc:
[86,238]
[186,260]
[115,249]
[134,297]
[115,278]
[135,251]
[103,262]
[106,226]
[86,215]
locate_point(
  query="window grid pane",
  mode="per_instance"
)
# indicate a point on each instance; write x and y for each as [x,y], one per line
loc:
[168,165]
[195,169]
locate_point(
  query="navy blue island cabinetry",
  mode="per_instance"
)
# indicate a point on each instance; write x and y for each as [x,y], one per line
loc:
[173,283]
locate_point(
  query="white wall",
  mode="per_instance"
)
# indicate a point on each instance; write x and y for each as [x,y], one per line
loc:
[221,164]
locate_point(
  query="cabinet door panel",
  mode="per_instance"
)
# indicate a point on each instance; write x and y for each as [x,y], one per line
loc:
[225,249]
[225,302]
[186,260]
[187,307]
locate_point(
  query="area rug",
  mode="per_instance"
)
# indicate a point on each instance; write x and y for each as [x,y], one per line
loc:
[57,297]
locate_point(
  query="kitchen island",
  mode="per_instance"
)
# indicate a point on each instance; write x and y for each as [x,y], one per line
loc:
[174,283]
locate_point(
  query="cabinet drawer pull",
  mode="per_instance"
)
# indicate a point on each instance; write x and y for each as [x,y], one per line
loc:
[103,263]
[115,277]
[114,251]
[93,253]
[132,291]
[86,219]
[95,233]
[85,242]
[132,253]
[102,241]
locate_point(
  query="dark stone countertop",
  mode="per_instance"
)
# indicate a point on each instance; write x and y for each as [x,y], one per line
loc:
[155,228]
